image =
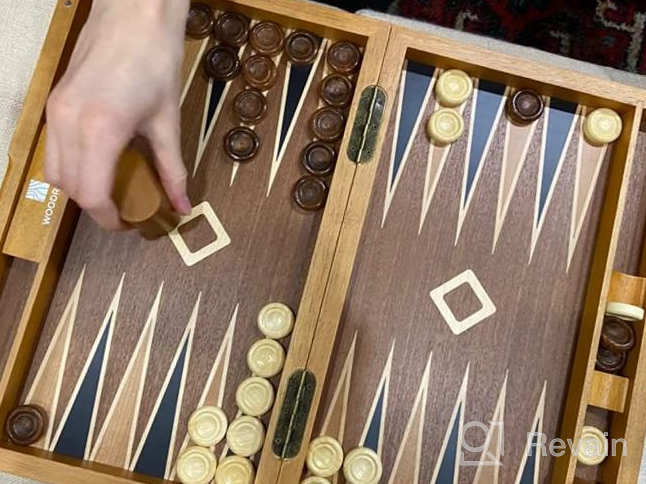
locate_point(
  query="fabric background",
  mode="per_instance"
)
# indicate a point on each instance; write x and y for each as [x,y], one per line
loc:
[23,25]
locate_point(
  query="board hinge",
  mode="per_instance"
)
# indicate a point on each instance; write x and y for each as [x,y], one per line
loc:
[367,123]
[294,415]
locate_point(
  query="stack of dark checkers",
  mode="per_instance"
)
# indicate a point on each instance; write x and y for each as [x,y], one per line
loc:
[328,122]
[617,339]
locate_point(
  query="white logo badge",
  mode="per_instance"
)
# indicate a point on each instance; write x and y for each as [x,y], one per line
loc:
[37,191]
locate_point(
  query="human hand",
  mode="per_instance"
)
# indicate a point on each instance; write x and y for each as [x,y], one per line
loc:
[122,80]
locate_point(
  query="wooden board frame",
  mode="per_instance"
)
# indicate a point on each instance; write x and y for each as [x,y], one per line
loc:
[340,232]
[441,52]
[52,243]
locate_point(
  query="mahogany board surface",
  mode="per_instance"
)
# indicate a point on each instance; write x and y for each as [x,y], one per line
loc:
[13,295]
[400,381]
[132,330]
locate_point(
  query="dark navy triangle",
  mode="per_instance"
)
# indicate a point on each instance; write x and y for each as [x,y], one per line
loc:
[216,96]
[154,455]
[418,79]
[298,76]
[73,438]
[561,117]
[447,467]
[372,437]
[527,476]
[490,97]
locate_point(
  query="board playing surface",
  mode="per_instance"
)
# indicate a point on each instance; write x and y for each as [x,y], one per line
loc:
[136,339]
[492,236]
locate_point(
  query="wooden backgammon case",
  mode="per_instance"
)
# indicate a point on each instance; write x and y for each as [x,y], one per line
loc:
[449,298]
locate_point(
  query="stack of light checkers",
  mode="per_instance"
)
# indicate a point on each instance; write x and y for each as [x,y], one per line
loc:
[452,89]
[327,125]
[245,436]
[325,459]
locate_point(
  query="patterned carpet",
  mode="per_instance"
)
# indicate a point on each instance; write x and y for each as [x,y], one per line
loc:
[603,32]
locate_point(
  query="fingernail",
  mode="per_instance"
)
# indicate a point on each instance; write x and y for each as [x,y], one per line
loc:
[185,205]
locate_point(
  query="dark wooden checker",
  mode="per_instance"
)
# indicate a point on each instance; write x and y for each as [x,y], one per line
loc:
[120,339]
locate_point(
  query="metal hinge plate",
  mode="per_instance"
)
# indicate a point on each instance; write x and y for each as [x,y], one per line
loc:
[294,415]
[367,122]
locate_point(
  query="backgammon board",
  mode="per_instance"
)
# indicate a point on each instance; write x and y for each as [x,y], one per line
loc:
[454,303]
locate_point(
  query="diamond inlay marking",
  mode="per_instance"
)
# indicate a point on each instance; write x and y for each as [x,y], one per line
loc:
[221,241]
[460,326]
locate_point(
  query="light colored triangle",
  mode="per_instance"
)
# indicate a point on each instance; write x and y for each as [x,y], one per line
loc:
[187,340]
[382,387]
[334,423]
[517,142]
[213,394]
[109,322]
[489,468]
[390,190]
[194,52]
[46,387]
[116,437]
[408,462]
[279,151]
[464,207]
[540,219]
[537,426]
[458,413]
[589,161]
[437,156]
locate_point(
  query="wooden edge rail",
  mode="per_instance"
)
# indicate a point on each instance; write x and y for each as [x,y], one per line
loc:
[599,283]
[66,23]
[631,424]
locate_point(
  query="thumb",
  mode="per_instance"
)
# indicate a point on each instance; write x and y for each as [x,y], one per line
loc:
[163,134]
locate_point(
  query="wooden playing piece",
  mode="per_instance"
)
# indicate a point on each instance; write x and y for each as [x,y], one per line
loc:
[260,72]
[25,425]
[610,361]
[196,465]
[207,426]
[245,436]
[444,126]
[301,47]
[327,124]
[594,446]
[344,57]
[617,335]
[200,21]
[453,88]
[324,456]
[276,320]
[250,106]
[232,29]
[222,62]
[241,144]
[316,480]
[310,193]
[362,466]
[140,198]
[627,312]
[235,470]
[525,106]
[602,126]
[336,91]
[255,396]
[319,158]
[267,38]
[266,358]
